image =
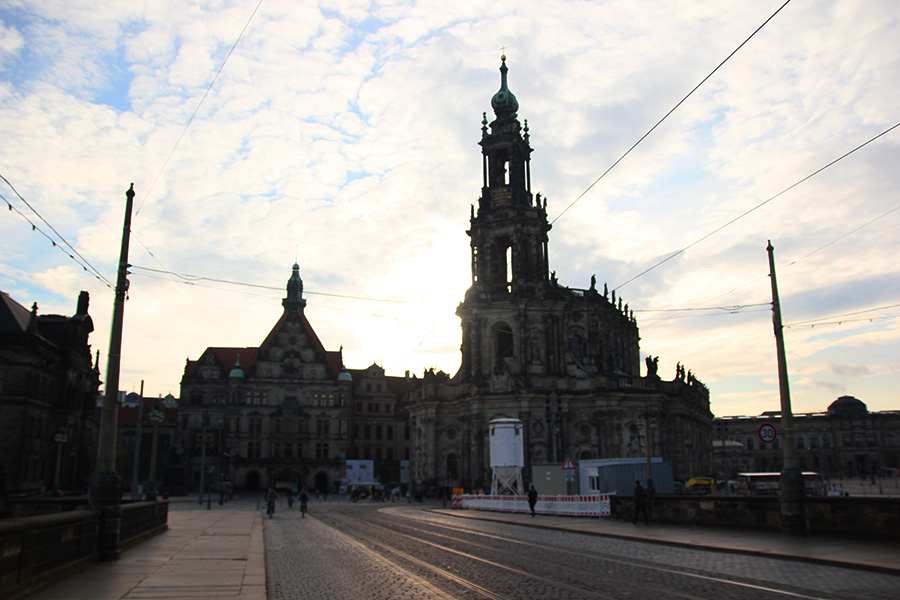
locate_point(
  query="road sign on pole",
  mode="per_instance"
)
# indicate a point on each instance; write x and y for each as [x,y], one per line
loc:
[568,465]
[767,433]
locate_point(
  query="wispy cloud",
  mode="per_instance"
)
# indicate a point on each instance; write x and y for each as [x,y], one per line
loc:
[345,135]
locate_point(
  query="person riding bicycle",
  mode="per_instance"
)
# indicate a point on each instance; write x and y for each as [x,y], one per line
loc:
[271,497]
[304,501]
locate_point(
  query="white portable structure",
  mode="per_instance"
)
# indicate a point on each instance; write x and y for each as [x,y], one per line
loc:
[507,457]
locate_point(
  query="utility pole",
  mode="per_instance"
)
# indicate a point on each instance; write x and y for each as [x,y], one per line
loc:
[106,485]
[793,520]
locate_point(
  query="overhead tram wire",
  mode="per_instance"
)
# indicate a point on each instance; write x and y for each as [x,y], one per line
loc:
[761,204]
[787,266]
[666,116]
[823,320]
[84,263]
[187,278]
[196,110]
[729,309]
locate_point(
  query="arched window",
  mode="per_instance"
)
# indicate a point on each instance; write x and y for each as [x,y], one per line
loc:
[576,347]
[503,341]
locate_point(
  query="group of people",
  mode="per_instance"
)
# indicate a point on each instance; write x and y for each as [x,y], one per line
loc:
[272,497]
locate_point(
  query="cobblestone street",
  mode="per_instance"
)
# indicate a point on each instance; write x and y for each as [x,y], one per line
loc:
[382,551]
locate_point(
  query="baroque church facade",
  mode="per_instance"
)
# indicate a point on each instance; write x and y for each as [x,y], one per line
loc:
[564,361]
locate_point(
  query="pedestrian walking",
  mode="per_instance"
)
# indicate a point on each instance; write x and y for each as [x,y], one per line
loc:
[640,503]
[532,498]
[304,502]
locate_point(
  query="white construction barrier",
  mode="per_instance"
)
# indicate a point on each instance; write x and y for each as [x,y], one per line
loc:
[591,505]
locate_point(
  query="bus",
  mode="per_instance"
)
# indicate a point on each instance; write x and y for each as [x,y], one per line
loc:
[749,484]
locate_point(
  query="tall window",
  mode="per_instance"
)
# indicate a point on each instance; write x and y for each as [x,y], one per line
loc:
[503,340]
[321,450]
[509,268]
[253,450]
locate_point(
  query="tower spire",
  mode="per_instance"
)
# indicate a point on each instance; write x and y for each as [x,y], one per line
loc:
[294,299]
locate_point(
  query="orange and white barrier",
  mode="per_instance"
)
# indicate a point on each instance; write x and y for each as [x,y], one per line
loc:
[591,505]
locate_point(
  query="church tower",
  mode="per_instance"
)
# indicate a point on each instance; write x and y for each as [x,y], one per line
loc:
[509,233]
[518,322]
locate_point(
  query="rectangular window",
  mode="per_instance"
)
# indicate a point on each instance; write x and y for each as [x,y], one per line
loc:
[367,432]
[390,432]
[253,450]
[377,453]
[276,450]
[321,450]
[288,451]
[254,425]
[390,453]
[378,432]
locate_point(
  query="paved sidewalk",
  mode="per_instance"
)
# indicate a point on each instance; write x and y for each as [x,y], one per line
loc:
[877,556]
[217,553]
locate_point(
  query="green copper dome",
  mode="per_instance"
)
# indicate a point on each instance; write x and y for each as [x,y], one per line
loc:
[344,375]
[236,372]
[504,101]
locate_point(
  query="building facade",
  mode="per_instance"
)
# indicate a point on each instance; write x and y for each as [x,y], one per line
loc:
[288,413]
[565,361]
[844,441]
[141,419]
[48,389]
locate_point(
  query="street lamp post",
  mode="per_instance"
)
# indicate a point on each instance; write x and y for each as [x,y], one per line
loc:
[60,438]
[648,423]
[156,417]
[203,456]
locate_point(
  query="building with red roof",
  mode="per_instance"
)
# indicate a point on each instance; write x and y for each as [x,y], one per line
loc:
[288,413]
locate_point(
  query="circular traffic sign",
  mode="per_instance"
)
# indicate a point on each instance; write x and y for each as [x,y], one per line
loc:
[767,433]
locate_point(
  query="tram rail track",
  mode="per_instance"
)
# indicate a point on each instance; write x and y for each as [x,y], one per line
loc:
[373,534]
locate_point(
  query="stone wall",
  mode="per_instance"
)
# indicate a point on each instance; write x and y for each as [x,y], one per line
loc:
[872,517]
[37,551]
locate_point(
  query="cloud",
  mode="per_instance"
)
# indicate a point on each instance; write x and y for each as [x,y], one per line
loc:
[345,135]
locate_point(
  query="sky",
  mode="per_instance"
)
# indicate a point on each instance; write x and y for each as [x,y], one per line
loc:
[344,135]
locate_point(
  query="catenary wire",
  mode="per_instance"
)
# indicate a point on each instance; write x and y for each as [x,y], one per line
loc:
[196,110]
[790,264]
[849,314]
[761,204]
[97,274]
[673,109]
[193,278]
